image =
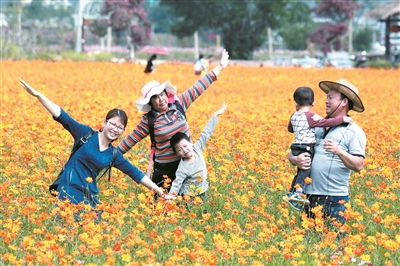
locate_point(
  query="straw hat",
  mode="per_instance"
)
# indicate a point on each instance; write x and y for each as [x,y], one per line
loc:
[150,89]
[346,88]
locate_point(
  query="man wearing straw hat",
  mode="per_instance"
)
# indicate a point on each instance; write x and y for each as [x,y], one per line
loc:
[338,151]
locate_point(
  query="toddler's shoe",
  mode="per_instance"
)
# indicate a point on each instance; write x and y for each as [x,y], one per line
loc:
[295,200]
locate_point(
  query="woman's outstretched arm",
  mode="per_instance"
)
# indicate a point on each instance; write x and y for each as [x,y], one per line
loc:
[53,108]
[146,181]
[223,63]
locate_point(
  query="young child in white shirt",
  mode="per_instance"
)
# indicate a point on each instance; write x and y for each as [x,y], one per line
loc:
[191,175]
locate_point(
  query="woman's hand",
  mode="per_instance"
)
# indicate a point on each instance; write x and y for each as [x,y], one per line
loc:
[28,88]
[53,108]
[223,63]
[224,59]
[170,197]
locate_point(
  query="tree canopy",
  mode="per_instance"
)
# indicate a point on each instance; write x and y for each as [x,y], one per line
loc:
[130,17]
[296,26]
[337,15]
[242,24]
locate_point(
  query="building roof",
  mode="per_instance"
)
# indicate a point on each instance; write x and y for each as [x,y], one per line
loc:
[384,11]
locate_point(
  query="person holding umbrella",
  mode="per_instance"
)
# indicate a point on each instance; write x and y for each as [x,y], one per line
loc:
[161,104]
[150,65]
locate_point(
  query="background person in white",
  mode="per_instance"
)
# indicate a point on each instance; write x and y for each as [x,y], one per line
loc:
[338,151]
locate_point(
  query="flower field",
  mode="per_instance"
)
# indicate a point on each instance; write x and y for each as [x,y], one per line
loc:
[247,222]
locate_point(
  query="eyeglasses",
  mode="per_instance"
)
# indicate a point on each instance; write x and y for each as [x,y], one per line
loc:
[114,126]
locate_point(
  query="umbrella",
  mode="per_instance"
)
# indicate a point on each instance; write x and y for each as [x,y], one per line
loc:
[155,50]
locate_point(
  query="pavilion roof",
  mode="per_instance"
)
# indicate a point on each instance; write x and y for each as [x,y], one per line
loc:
[384,11]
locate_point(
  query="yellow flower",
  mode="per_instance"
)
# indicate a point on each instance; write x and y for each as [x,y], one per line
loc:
[126,257]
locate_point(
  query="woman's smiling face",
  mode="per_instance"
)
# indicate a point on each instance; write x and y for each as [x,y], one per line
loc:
[160,102]
[113,128]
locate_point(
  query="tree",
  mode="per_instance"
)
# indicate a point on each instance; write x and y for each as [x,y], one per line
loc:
[363,39]
[242,24]
[337,14]
[128,17]
[99,27]
[161,18]
[49,23]
[17,5]
[296,25]
[52,12]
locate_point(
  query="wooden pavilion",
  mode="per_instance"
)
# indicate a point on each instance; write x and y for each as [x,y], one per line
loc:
[389,14]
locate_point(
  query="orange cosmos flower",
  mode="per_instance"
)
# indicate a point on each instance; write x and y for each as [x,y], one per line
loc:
[29,257]
[359,250]
[172,220]
[178,231]
[377,219]
[110,260]
[227,206]
[117,246]
[6,199]
[97,251]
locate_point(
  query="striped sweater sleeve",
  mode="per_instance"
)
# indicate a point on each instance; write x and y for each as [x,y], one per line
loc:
[162,131]
[137,134]
[192,93]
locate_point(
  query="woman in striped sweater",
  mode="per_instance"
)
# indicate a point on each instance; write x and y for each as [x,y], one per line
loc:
[164,105]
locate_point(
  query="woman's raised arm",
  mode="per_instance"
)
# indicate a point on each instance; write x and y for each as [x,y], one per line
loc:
[223,63]
[53,108]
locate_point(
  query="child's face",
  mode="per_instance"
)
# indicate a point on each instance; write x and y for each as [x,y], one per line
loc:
[184,149]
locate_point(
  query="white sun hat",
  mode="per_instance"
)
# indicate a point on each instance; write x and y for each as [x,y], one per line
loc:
[153,88]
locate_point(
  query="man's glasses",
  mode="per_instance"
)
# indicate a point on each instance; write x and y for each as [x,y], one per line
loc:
[114,126]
